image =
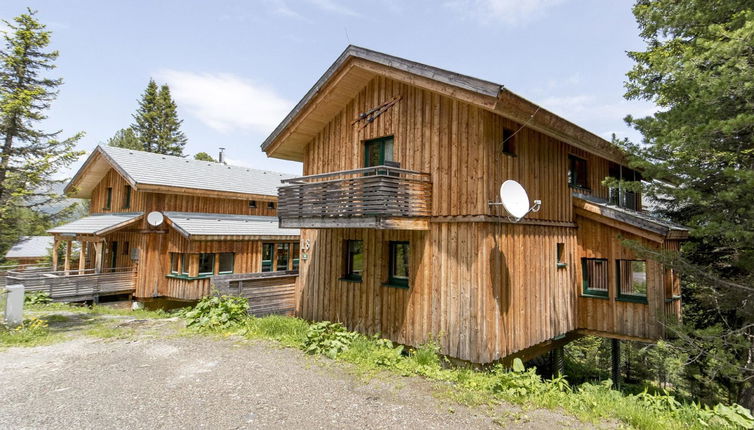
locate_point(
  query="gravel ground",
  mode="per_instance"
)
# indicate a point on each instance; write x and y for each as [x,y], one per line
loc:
[201,382]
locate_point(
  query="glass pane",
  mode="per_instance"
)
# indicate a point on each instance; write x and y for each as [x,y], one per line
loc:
[267,251]
[596,273]
[373,155]
[400,261]
[185,260]
[296,253]
[174,262]
[355,263]
[283,256]
[226,262]
[639,278]
[387,149]
[206,264]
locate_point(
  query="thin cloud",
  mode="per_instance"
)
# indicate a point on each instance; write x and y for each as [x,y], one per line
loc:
[226,102]
[511,12]
[334,6]
[583,108]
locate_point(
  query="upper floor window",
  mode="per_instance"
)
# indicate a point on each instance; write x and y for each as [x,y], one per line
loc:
[283,256]
[595,276]
[225,263]
[252,204]
[509,141]
[206,264]
[398,273]
[378,151]
[175,263]
[268,251]
[632,280]
[354,259]
[127,197]
[578,175]
[560,254]
[108,198]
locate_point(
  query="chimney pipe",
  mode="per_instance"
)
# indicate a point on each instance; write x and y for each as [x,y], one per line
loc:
[221,159]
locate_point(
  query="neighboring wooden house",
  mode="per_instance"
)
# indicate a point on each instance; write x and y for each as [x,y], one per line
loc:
[413,249]
[218,219]
[31,250]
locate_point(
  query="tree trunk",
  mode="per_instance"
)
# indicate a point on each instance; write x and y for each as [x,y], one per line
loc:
[746,395]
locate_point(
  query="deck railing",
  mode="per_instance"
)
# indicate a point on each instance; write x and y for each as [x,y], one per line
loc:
[74,285]
[379,191]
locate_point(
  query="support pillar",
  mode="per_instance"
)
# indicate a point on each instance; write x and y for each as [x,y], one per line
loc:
[82,258]
[67,259]
[558,362]
[615,356]
[55,246]
[97,257]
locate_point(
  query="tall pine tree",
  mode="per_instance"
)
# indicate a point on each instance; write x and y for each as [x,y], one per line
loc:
[30,156]
[698,67]
[125,138]
[157,126]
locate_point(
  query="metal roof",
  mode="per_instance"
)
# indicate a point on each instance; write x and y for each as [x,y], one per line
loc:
[31,247]
[142,168]
[97,224]
[203,226]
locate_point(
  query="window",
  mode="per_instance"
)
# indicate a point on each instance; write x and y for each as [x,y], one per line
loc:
[225,265]
[283,256]
[398,270]
[252,204]
[268,250]
[560,254]
[632,280]
[127,197]
[620,196]
[577,172]
[126,248]
[378,151]
[175,262]
[596,273]
[206,264]
[185,264]
[296,254]
[354,259]
[270,205]
[109,198]
[509,141]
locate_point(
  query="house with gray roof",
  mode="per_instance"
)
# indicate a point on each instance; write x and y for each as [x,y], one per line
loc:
[175,222]
[30,250]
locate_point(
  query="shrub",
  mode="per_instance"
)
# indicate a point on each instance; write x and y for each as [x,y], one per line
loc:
[217,313]
[31,332]
[328,338]
[37,298]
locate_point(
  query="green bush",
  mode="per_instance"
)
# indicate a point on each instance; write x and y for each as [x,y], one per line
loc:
[216,313]
[328,338]
[37,298]
[31,332]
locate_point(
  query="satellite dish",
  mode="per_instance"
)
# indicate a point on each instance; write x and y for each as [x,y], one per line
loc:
[155,219]
[515,200]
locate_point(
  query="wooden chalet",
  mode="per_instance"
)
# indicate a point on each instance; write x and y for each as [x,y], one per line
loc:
[212,219]
[402,161]
[30,250]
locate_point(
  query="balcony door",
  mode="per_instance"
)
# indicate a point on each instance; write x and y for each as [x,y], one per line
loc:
[378,151]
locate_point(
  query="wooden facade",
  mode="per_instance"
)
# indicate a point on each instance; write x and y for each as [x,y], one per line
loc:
[147,249]
[484,287]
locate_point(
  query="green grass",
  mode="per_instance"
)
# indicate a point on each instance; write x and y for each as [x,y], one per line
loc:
[33,332]
[106,331]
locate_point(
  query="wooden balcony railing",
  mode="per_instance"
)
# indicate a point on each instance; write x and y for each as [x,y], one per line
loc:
[75,285]
[372,197]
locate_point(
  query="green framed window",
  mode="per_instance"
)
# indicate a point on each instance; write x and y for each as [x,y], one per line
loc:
[596,274]
[578,174]
[353,259]
[296,255]
[108,198]
[378,151]
[225,262]
[398,271]
[185,264]
[175,263]
[126,197]
[206,264]
[632,280]
[268,251]
[282,257]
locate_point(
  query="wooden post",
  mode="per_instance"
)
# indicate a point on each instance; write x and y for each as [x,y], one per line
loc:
[67,259]
[82,258]
[615,355]
[558,363]
[55,246]
[97,257]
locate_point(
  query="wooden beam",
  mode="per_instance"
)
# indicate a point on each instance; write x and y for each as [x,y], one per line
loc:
[55,246]
[67,260]
[98,257]
[82,257]
[609,335]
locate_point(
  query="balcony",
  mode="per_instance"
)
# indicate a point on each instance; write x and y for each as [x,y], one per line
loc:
[379,197]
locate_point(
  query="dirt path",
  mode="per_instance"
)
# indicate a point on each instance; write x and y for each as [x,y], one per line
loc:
[200,382]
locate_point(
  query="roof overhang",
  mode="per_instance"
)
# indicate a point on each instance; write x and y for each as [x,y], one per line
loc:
[202,227]
[97,225]
[357,66]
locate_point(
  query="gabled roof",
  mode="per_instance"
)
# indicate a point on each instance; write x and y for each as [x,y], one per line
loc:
[31,247]
[147,171]
[202,226]
[640,220]
[357,66]
[98,224]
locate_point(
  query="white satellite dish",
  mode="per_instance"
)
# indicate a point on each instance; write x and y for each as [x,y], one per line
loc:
[514,199]
[155,219]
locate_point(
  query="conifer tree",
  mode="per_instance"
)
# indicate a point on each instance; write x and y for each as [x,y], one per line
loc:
[147,118]
[126,138]
[171,139]
[30,156]
[203,156]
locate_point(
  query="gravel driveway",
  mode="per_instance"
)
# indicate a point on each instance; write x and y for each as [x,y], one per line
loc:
[201,382]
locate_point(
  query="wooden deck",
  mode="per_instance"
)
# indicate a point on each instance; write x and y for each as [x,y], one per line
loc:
[268,293]
[75,285]
[374,197]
